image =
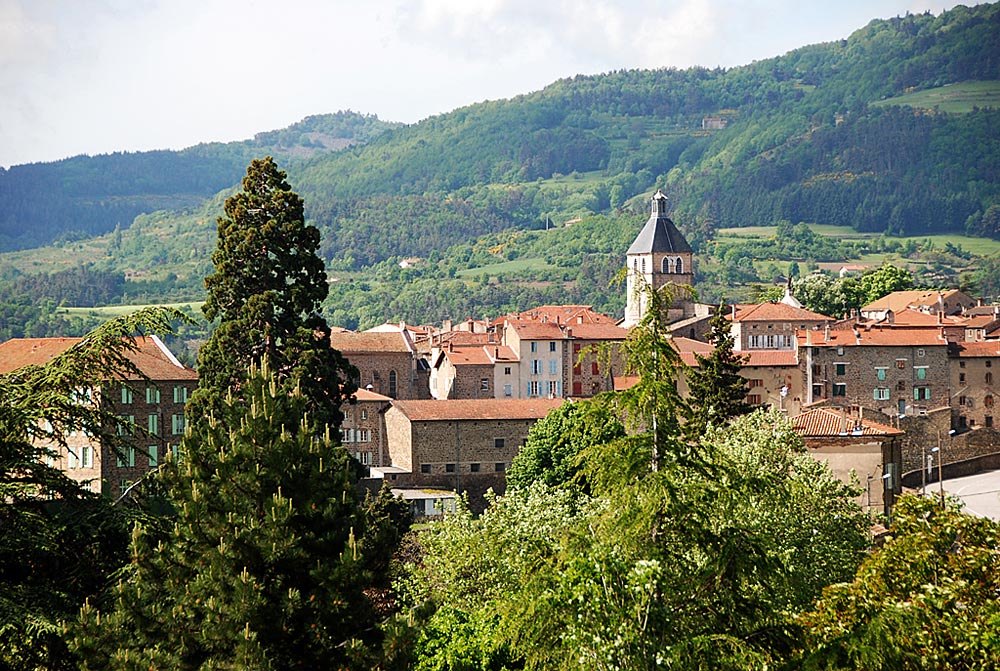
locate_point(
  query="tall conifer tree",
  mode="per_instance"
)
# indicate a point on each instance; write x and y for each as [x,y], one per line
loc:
[717,391]
[267,291]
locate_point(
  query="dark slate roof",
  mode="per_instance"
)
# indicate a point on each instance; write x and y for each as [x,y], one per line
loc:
[659,234]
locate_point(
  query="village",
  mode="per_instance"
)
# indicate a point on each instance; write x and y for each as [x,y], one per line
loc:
[896,395]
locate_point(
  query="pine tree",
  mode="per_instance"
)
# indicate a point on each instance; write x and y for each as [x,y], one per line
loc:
[717,392]
[265,564]
[266,292]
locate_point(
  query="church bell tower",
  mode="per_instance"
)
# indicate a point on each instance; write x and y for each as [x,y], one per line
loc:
[659,255]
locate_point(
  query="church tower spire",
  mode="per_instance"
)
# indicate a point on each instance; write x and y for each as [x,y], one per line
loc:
[659,255]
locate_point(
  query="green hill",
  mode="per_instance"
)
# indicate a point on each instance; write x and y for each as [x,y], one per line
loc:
[841,133]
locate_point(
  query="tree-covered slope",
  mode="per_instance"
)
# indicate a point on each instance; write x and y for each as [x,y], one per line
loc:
[85,196]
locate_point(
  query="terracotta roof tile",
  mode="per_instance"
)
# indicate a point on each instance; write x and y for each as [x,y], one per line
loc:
[824,422]
[770,312]
[872,337]
[597,332]
[570,315]
[481,409]
[366,395]
[898,301]
[530,330]
[986,348]
[369,341]
[775,357]
[151,357]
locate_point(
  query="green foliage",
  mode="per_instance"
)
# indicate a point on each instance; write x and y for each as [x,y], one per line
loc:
[677,568]
[882,281]
[926,599]
[61,544]
[265,563]
[717,391]
[551,453]
[828,295]
[266,293]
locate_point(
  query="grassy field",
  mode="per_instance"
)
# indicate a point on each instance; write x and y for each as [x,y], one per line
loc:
[515,266]
[957,98]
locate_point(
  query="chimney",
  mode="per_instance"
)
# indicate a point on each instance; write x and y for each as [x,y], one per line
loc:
[446,325]
[826,332]
[843,429]
[496,353]
[569,333]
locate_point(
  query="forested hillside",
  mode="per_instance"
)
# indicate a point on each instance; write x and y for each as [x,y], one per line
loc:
[849,133]
[84,196]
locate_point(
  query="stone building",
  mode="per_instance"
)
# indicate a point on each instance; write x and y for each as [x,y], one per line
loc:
[896,371]
[771,326]
[462,445]
[975,385]
[387,361]
[363,429]
[853,444]
[774,380]
[153,408]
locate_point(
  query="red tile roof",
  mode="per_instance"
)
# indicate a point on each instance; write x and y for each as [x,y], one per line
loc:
[986,348]
[369,341]
[876,336]
[827,423]
[565,314]
[536,330]
[481,409]
[152,357]
[774,312]
[366,395]
[596,332]
[898,301]
[770,357]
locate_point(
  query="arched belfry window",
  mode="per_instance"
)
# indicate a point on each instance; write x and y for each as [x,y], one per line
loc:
[644,265]
[635,265]
[392,383]
[666,265]
[680,265]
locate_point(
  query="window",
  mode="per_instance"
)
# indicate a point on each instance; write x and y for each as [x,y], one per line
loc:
[127,457]
[484,384]
[753,399]
[901,363]
[841,368]
[508,390]
[506,370]
[123,486]
[364,414]
[152,394]
[533,388]
[87,456]
[364,435]
[839,389]
[174,450]
[365,458]
[500,467]
[180,394]
[921,393]
[126,394]
[989,421]
[900,386]
[921,372]
[755,383]
[881,394]
[126,425]
[665,266]
[425,468]
[499,443]
[392,383]
[961,400]
[989,378]
[534,347]
[595,369]
[154,456]
[961,377]
[553,388]
[154,425]
[177,424]
[989,364]
[536,367]
[474,468]
[578,389]
[961,364]
[449,468]
[553,367]
[818,390]
[880,373]
[552,347]
[345,436]
[680,266]
[840,351]
[988,401]
[70,458]
[920,353]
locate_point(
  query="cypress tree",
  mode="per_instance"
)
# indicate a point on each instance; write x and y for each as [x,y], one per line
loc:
[717,390]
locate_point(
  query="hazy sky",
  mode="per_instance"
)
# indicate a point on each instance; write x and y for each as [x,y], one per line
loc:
[96,76]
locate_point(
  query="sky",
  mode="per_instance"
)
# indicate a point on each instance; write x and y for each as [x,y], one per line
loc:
[99,76]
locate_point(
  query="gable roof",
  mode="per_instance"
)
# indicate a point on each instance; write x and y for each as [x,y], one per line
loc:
[985,348]
[487,409]
[151,356]
[900,300]
[827,423]
[875,336]
[371,341]
[773,312]
[570,315]
[659,234]
[532,330]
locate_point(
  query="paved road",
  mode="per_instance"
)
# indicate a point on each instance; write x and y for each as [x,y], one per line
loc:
[980,492]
